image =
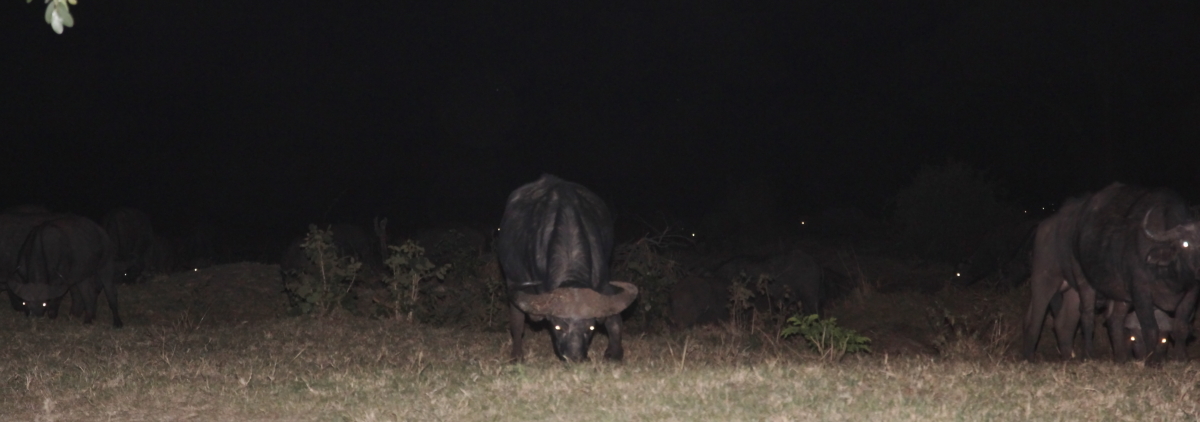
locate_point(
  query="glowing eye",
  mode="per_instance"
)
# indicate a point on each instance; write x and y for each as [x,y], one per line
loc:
[1185,244]
[958,274]
[24,303]
[593,327]
[1132,338]
[801,223]
[694,235]
[1164,341]
[195,269]
[558,327]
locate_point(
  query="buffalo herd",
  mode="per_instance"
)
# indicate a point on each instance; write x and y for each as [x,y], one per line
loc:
[1128,249]
[46,255]
[1125,255]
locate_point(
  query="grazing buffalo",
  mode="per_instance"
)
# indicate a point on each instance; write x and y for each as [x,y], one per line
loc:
[1131,245]
[66,254]
[133,236]
[1005,251]
[554,247]
[1133,328]
[15,225]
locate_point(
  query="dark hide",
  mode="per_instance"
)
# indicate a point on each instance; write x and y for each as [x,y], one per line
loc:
[66,254]
[1005,251]
[14,228]
[558,235]
[133,236]
[1104,245]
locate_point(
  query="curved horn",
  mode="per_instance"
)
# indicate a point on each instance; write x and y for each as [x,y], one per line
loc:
[1162,236]
[569,302]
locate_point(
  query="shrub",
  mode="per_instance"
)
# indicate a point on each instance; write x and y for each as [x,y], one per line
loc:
[320,292]
[741,298]
[646,264]
[825,336]
[946,210]
[409,267]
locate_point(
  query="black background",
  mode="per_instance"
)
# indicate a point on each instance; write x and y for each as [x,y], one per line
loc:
[265,116]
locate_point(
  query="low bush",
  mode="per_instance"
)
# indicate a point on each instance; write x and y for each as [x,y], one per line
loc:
[320,292]
[825,336]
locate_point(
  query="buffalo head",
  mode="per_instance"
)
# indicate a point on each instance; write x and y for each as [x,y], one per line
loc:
[574,314]
[1183,241]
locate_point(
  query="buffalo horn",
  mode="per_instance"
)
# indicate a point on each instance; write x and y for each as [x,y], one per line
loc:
[1164,236]
[578,302]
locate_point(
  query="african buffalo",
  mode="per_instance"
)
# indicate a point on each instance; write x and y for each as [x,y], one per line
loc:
[1004,251]
[15,225]
[554,247]
[1134,341]
[1131,245]
[68,253]
[133,236]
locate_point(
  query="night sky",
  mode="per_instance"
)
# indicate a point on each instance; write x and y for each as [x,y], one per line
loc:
[265,116]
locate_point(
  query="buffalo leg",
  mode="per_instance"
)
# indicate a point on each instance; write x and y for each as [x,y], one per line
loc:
[516,327]
[77,308]
[1087,318]
[1143,306]
[88,290]
[1066,319]
[1118,310]
[612,325]
[110,293]
[1044,285]
[1181,327]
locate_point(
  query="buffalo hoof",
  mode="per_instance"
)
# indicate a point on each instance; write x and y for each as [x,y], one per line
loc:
[614,355]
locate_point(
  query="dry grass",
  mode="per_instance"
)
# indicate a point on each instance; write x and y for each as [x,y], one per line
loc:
[185,356]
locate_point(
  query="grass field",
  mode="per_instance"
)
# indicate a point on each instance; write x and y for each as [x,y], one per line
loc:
[216,345]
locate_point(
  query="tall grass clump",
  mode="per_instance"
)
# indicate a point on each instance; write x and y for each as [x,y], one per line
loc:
[333,276]
[947,209]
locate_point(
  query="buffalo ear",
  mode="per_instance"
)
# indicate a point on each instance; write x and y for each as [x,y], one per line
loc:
[1162,255]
